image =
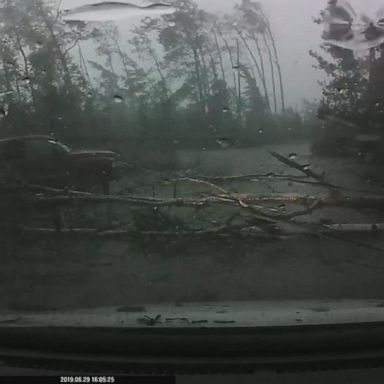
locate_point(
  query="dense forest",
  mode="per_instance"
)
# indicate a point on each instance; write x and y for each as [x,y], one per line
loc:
[189,75]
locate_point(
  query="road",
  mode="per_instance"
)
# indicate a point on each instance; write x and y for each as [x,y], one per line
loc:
[61,274]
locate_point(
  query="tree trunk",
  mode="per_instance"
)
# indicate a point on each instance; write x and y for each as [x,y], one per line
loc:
[8,80]
[213,66]
[26,68]
[158,67]
[278,68]
[255,39]
[239,103]
[121,54]
[198,79]
[231,60]
[263,81]
[62,57]
[205,79]
[84,65]
[220,55]
[272,72]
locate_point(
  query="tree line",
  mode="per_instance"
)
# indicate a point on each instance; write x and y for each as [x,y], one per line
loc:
[191,74]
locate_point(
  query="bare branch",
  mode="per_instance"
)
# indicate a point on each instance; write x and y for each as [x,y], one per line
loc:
[271,177]
[295,165]
[57,12]
[73,45]
[125,234]
[201,182]
[356,228]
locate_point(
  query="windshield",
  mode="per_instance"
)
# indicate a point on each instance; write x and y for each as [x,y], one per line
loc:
[237,152]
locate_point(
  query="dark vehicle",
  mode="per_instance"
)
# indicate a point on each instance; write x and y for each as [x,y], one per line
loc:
[45,161]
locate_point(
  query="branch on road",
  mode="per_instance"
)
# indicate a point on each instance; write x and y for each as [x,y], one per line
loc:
[293,164]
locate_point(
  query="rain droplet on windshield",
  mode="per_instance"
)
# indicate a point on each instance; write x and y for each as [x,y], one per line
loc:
[117,99]
[225,109]
[4,112]
[26,79]
[224,143]
[293,156]
[306,167]
[260,131]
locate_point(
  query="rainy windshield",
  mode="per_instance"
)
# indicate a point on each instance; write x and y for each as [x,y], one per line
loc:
[190,151]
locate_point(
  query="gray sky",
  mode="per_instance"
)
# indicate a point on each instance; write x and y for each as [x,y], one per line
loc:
[295,34]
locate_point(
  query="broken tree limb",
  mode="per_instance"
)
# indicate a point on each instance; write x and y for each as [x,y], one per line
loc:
[334,190]
[127,234]
[295,165]
[356,228]
[12,187]
[233,199]
[250,177]
[328,185]
[307,228]
[271,177]
[315,205]
[199,182]
[222,231]
[224,199]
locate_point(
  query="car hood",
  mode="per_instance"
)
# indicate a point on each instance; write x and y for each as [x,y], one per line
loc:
[258,314]
[260,334]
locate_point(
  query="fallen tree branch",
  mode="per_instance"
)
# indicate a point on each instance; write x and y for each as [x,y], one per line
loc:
[356,228]
[199,182]
[6,187]
[271,177]
[233,199]
[329,185]
[315,205]
[250,177]
[221,231]
[306,228]
[127,234]
[293,164]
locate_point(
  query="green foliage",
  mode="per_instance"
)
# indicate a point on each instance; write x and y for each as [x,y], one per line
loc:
[353,96]
[182,76]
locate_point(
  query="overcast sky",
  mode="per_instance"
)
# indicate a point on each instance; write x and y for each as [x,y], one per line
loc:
[295,34]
